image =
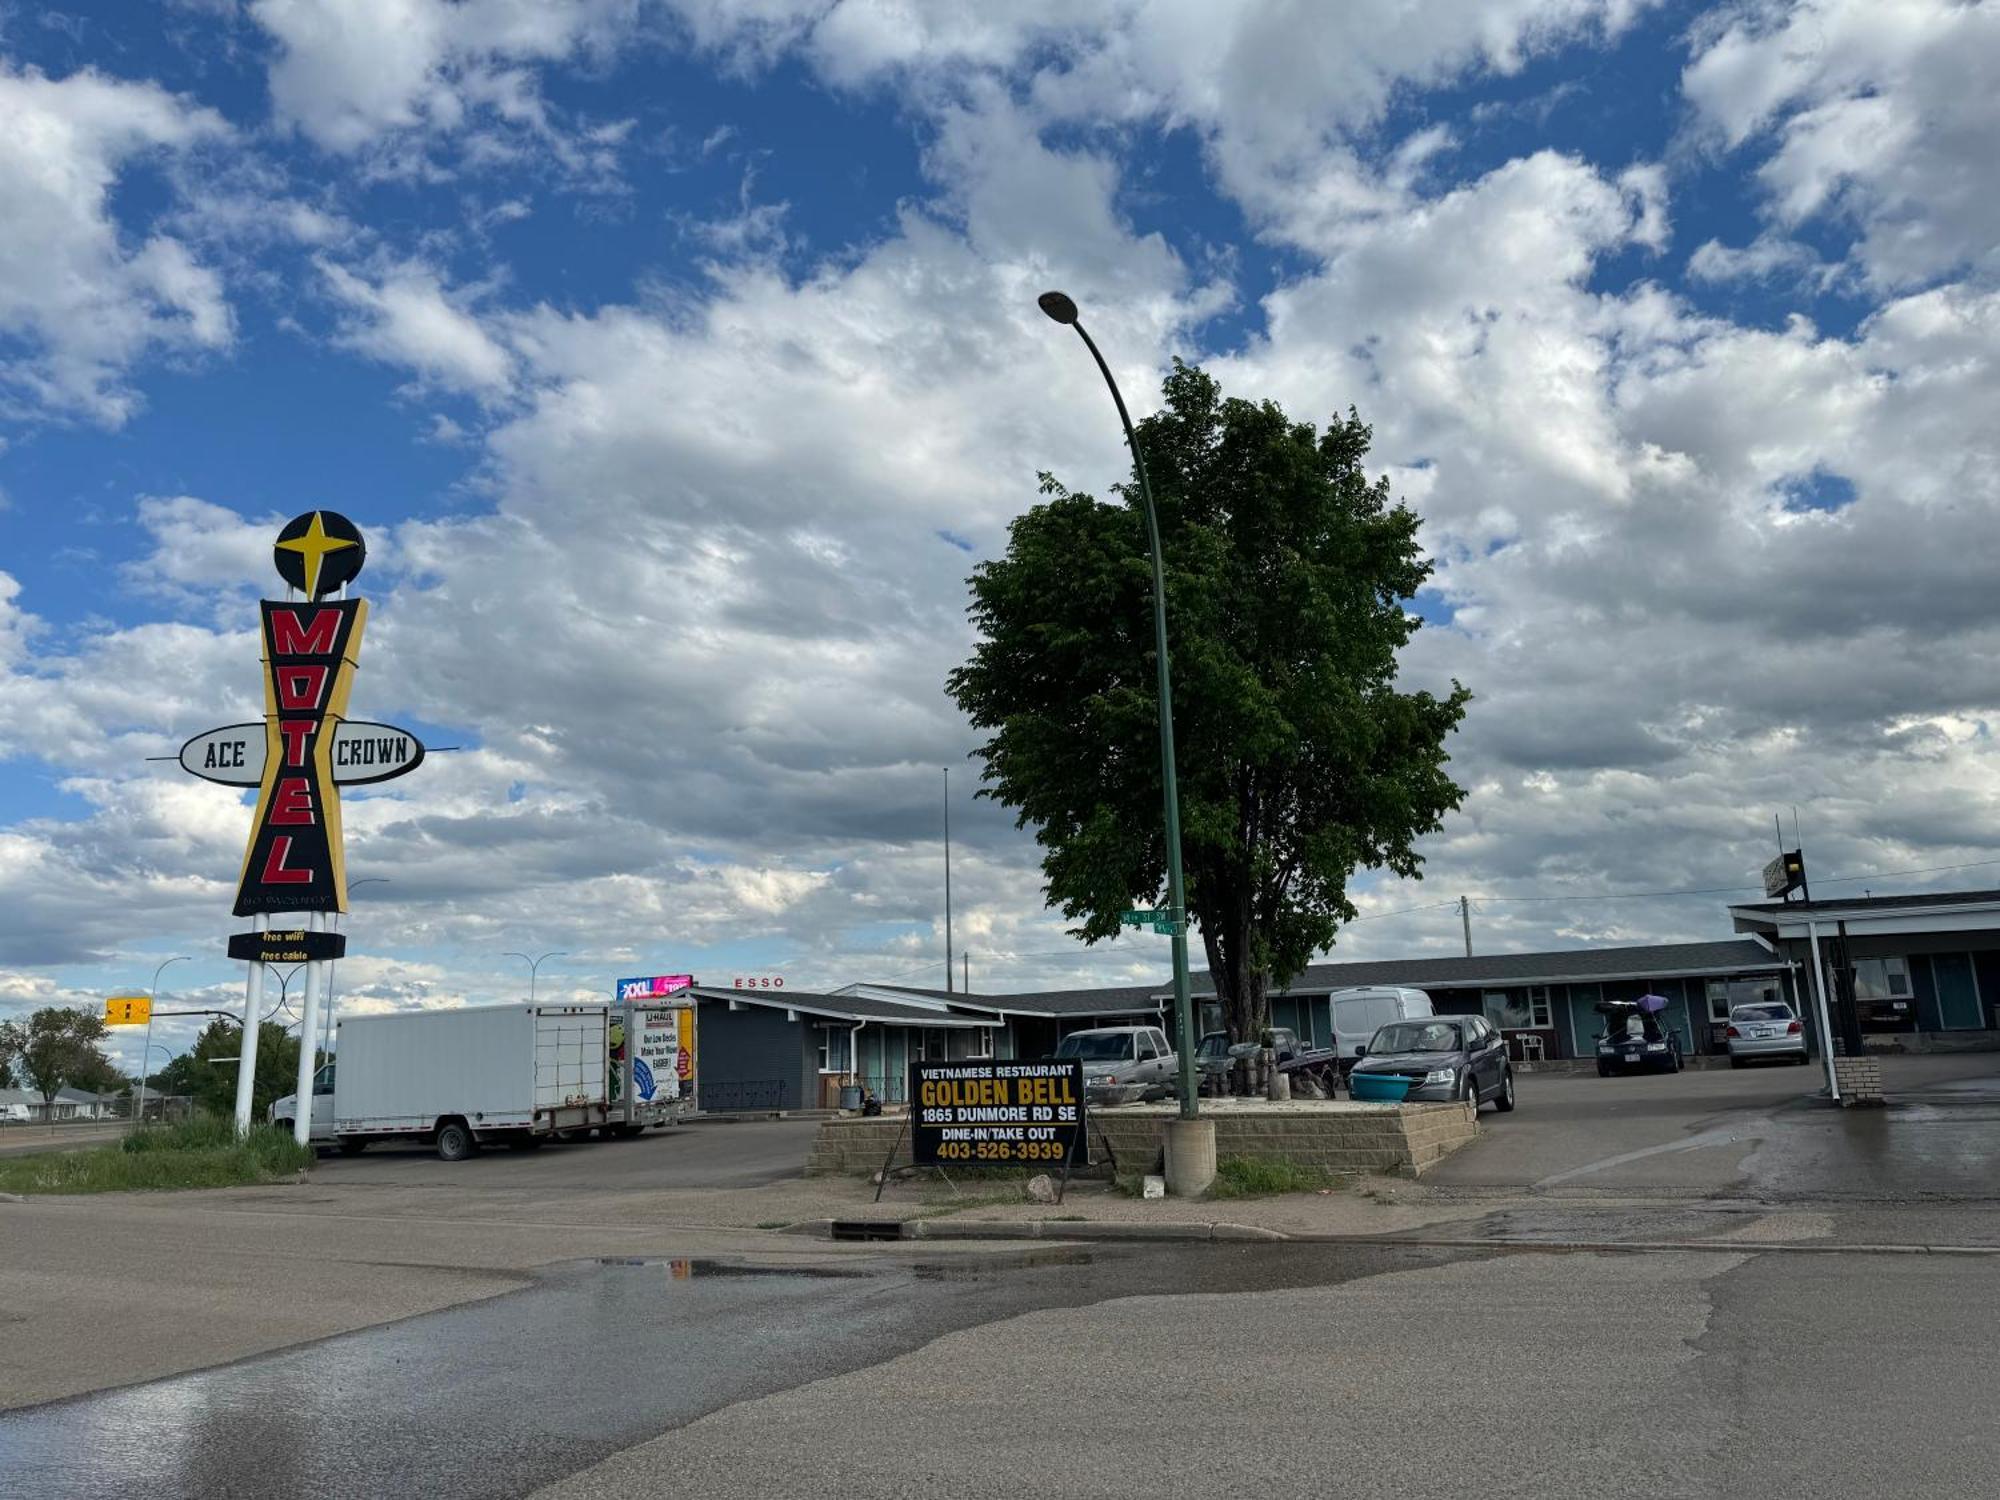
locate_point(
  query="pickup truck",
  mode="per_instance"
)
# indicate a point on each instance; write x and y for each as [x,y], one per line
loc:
[1217,1055]
[1122,1064]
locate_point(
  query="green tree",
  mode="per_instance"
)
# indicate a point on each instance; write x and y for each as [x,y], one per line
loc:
[56,1048]
[7,1073]
[207,1071]
[1288,576]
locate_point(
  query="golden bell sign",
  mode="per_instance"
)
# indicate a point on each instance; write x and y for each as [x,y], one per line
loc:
[128,1010]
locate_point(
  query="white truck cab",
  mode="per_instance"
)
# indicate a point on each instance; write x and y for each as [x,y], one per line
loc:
[1358,1013]
[285,1111]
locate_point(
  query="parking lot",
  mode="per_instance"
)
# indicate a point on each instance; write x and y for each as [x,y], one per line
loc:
[718,1153]
[1754,1132]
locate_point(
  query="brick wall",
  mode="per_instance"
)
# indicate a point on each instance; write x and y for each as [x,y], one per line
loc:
[1860,1079]
[1407,1139]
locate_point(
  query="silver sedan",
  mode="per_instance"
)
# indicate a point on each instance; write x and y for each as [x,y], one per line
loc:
[1767,1029]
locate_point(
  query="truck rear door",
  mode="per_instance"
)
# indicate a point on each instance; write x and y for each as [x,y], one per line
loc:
[570,1062]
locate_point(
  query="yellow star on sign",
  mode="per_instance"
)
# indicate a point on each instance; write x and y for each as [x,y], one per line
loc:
[313,547]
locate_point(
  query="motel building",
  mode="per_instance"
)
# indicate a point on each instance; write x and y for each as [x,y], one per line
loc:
[1925,972]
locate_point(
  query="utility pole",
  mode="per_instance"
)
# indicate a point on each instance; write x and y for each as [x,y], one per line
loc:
[966,987]
[1465,917]
[947,880]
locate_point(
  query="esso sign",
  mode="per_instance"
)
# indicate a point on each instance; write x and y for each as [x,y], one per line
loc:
[759,982]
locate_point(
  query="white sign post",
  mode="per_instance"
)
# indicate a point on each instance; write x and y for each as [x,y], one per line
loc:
[246,1054]
[302,1117]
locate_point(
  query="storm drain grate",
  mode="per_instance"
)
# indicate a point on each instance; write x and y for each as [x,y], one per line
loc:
[867,1229]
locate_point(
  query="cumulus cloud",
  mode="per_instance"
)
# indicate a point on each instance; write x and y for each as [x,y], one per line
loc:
[406,316]
[1880,115]
[354,73]
[695,630]
[83,298]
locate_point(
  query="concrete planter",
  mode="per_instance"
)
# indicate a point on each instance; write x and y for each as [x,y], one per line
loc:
[1406,1139]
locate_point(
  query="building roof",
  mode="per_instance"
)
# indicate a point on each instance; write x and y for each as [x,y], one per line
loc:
[841,1007]
[1576,965]
[1571,965]
[1125,1000]
[1870,903]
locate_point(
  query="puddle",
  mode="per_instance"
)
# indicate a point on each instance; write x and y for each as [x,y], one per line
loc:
[686,1270]
[984,1266]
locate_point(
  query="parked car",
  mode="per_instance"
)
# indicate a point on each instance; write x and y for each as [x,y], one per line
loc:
[1765,1029]
[1445,1058]
[1213,1057]
[1122,1064]
[1358,1014]
[1216,1052]
[1634,1040]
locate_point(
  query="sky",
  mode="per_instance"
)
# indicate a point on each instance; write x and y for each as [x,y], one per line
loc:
[680,360]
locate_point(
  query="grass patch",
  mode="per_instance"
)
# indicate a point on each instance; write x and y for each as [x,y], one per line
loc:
[199,1153]
[1260,1177]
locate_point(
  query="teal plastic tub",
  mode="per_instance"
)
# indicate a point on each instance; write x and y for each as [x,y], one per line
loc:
[1378,1088]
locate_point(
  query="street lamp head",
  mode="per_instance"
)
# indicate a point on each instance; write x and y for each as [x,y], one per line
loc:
[1058,306]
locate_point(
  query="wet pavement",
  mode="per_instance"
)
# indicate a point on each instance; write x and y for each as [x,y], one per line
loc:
[710,1154]
[498,1397]
[1758,1135]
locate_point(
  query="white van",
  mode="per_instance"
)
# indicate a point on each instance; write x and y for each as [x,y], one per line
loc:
[1358,1014]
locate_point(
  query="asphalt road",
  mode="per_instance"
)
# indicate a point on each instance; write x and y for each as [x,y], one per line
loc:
[1668,1374]
[709,1154]
[1176,1371]
[500,1396]
[1751,1133]
[784,1366]
[33,1138]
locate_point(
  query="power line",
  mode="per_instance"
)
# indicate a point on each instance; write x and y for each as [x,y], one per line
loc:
[1376,916]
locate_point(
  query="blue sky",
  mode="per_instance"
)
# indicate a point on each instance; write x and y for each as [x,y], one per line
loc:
[680,359]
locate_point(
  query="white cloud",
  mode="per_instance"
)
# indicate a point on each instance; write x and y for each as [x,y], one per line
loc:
[350,73]
[405,316]
[84,300]
[1878,112]
[1768,257]
[698,637]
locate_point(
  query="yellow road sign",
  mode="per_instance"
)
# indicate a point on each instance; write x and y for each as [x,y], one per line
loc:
[128,1010]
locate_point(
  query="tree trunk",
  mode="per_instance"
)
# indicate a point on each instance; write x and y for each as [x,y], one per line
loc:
[1240,987]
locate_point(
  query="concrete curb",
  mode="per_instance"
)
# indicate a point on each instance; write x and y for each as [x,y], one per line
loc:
[1083,1229]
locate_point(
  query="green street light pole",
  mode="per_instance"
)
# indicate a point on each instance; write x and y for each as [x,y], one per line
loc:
[1059,307]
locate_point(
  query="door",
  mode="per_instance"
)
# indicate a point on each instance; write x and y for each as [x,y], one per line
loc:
[1490,1061]
[1152,1069]
[1957,990]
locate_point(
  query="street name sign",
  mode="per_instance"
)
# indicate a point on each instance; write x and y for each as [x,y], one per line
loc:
[1004,1113]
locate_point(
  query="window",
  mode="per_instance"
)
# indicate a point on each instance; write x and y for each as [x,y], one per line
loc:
[937,1045]
[833,1049]
[1776,1011]
[1146,1047]
[1509,1009]
[1881,979]
[971,1041]
[1539,1011]
[1097,1046]
[1415,1036]
[1724,995]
